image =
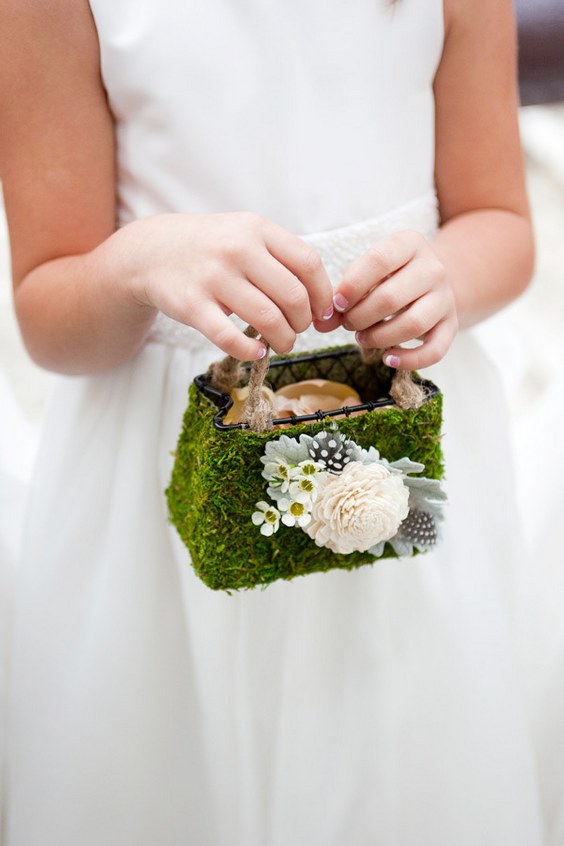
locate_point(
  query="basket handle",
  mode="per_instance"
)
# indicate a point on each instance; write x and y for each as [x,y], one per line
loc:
[258,410]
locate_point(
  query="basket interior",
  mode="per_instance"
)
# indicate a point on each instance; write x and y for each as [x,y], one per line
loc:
[372,383]
[343,364]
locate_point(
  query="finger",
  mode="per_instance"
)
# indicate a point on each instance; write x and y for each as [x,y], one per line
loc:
[305,263]
[210,320]
[254,307]
[433,349]
[375,265]
[388,298]
[282,288]
[329,325]
[413,322]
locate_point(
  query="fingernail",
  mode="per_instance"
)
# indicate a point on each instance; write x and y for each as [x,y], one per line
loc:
[340,302]
[360,337]
[261,353]
[329,313]
[391,360]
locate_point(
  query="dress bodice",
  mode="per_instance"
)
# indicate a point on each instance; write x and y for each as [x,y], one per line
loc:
[315,113]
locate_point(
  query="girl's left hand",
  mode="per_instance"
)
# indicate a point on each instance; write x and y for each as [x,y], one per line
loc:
[396,292]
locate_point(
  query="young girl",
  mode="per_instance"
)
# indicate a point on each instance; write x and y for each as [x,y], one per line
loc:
[166,166]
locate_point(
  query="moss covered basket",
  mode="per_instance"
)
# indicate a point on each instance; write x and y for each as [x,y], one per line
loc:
[216,479]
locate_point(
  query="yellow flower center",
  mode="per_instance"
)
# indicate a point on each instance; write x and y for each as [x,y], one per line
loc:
[307,485]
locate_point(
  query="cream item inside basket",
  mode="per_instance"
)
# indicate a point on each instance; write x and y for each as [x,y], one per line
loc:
[299,398]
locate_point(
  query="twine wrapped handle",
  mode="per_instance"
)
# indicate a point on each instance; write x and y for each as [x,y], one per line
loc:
[404,391]
[258,410]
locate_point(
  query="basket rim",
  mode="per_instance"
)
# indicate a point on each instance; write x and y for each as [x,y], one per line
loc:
[224,401]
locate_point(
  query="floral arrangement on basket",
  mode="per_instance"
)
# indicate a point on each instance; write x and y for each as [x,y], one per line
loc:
[254,503]
[346,498]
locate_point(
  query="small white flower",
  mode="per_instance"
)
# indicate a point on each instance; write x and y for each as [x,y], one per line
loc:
[304,489]
[267,517]
[279,474]
[296,512]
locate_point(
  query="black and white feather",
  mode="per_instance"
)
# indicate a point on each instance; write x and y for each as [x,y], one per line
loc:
[420,529]
[333,451]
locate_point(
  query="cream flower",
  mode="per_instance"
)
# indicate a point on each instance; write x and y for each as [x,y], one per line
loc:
[358,508]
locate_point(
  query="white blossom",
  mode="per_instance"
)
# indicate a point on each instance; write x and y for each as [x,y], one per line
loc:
[267,517]
[295,512]
[280,475]
[359,508]
[304,488]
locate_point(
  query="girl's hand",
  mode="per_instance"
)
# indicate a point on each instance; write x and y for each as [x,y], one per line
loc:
[199,269]
[395,292]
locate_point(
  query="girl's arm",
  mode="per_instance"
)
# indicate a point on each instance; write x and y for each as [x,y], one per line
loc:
[486,240]
[86,295]
[482,257]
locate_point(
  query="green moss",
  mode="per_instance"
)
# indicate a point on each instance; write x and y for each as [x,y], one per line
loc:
[216,482]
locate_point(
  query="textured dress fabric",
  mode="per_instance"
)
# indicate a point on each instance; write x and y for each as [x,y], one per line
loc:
[380,706]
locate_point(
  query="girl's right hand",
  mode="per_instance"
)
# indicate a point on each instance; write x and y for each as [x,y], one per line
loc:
[200,268]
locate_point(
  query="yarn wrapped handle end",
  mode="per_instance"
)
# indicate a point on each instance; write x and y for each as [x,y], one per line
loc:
[258,412]
[404,391]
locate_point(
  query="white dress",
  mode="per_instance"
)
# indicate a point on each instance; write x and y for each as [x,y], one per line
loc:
[16,459]
[539,461]
[380,706]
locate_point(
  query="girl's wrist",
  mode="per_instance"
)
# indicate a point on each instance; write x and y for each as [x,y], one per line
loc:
[127,269]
